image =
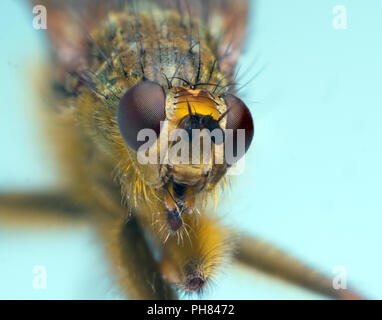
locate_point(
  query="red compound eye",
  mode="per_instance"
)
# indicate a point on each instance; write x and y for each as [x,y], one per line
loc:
[238,117]
[142,107]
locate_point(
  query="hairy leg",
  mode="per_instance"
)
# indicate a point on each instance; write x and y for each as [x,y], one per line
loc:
[256,254]
[136,269]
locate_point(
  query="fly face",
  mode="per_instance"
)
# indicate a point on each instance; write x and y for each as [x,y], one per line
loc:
[189,137]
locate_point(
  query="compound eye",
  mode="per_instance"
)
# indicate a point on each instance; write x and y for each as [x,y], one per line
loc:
[142,107]
[238,117]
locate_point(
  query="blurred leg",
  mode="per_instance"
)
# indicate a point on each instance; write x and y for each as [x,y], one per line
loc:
[256,254]
[38,209]
[132,261]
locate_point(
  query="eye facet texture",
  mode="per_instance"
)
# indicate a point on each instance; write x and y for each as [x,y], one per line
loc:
[142,107]
[238,117]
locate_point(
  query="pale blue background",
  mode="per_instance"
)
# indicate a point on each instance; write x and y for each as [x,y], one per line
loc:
[313,178]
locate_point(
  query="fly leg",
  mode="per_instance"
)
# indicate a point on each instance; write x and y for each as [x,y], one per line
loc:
[132,260]
[41,208]
[256,254]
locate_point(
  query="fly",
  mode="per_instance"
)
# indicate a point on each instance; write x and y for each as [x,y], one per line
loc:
[146,125]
